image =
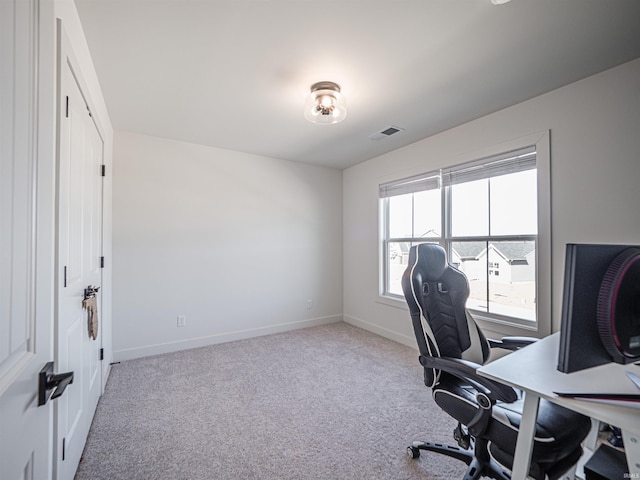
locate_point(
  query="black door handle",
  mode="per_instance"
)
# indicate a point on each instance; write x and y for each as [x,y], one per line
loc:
[48,381]
[90,291]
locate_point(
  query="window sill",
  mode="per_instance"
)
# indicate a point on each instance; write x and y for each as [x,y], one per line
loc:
[489,326]
[392,302]
[496,328]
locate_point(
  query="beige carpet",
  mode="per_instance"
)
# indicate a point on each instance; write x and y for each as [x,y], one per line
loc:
[330,402]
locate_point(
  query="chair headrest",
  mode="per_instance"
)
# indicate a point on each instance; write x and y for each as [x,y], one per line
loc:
[431,260]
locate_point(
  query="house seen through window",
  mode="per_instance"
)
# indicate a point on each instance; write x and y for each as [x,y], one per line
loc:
[485,215]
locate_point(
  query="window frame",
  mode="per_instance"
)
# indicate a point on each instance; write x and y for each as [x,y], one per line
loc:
[490,321]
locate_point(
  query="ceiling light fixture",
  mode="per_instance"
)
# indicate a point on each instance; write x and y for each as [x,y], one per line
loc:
[325,104]
[499,2]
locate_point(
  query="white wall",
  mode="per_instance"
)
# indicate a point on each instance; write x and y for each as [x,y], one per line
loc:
[238,243]
[595,172]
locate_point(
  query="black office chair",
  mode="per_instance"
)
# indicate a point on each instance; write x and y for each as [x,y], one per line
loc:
[451,348]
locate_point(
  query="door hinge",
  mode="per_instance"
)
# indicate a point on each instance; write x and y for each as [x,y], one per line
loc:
[65,276]
[64,441]
[66,112]
[102,354]
[104,170]
[101,262]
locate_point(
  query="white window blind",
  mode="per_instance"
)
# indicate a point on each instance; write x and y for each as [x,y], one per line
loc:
[505,163]
[417,183]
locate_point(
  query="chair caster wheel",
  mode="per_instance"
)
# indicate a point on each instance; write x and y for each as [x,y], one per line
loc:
[413,452]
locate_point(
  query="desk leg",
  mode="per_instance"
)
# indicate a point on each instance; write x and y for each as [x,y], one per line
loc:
[526,434]
[632,450]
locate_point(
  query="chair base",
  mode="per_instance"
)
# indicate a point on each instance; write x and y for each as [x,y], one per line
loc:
[477,468]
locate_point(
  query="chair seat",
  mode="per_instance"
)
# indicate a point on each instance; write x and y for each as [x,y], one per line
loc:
[559,431]
[541,470]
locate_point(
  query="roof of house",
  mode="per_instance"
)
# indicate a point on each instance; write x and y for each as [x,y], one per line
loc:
[515,250]
[509,250]
[469,249]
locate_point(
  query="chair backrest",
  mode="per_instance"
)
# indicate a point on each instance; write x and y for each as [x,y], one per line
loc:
[436,294]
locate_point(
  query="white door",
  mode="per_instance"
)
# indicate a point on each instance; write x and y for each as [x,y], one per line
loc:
[79,257]
[26,273]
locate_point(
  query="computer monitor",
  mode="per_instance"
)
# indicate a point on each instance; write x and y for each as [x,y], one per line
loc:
[600,320]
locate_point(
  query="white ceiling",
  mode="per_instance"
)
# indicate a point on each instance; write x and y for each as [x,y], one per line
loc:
[234,74]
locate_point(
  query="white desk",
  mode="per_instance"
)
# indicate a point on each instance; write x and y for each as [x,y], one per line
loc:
[533,370]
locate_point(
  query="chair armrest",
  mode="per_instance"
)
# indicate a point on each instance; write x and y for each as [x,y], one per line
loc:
[511,343]
[467,371]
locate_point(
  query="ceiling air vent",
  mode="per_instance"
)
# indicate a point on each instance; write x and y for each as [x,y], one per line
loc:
[386,133]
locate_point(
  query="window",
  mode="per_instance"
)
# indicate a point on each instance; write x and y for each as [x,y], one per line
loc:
[411,218]
[485,214]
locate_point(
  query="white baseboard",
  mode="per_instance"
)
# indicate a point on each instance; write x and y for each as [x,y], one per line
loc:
[383,332]
[148,350]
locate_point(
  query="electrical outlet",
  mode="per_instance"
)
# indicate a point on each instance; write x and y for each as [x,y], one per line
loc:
[182,320]
[309,304]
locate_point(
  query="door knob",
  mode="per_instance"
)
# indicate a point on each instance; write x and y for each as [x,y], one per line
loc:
[48,381]
[90,291]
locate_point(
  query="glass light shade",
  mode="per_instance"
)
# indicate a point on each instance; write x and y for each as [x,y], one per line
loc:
[325,104]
